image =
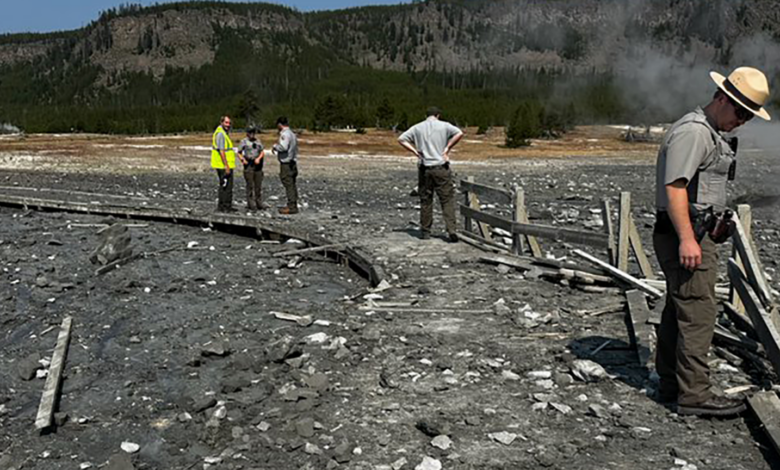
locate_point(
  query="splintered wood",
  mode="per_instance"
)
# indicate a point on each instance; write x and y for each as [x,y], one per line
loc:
[54,380]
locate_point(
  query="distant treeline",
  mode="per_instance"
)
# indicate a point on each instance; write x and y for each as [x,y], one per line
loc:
[64,91]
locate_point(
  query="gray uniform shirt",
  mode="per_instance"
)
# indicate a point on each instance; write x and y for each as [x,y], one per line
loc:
[287,147]
[430,138]
[692,150]
[249,151]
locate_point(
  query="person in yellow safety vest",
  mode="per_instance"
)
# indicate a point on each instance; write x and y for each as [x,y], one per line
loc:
[223,159]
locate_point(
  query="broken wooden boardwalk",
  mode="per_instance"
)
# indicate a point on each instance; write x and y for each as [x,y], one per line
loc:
[242,224]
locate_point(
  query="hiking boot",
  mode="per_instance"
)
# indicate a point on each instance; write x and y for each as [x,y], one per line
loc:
[453,238]
[252,208]
[288,210]
[715,406]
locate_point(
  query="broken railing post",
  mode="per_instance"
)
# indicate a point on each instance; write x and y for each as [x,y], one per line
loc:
[623,231]
[606,216]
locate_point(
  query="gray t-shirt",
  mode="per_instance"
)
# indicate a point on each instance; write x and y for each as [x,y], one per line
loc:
[430,138]
[693,151]
[287,147]
[250,149]
[221,142]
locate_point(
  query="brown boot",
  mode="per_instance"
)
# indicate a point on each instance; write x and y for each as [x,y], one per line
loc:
[288,210]
[715,406]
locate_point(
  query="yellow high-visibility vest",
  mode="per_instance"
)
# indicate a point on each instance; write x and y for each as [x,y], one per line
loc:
[230,154]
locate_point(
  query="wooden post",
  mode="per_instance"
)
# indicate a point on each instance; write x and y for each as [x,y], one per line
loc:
[752,266]
[484,229]
[522,217]
[54,380]
[518,210]
[469,227]
[639,252]
[606,215]
[623,231]
[746,217]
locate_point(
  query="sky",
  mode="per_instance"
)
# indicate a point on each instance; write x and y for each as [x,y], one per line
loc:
[56,15]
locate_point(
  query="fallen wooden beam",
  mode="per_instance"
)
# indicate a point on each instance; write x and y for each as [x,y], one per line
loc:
[753,270]
[740,320]
[621,275]
[423,310]
[595,239]
[51,389]
[640,332]
[724,336]
[507,261]
[762,320]
[479,242]
[766,407]
[616,307]
[315,249]
[639,252]
[117,264]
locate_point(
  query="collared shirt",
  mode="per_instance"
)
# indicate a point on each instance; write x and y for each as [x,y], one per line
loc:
[250,149]
[693,151]
[287,147]
[430,138]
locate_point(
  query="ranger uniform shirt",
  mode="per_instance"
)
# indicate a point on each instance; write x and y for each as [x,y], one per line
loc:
[430,138]
[287,147]
[250,149]
[693,151]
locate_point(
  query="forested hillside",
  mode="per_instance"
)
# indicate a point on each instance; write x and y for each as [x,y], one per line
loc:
[178,66]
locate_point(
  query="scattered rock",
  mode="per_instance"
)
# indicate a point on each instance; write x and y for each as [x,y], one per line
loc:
[312,449]
[399,464]
[130,447]
[588,371]
[506,438]
[319,382]
[442,442]
[27,367]
[428,463]
[305,427]
[342,453]
[203,403]
[431,429]
[214,348]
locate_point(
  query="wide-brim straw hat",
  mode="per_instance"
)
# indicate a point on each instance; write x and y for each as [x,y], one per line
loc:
[748,87]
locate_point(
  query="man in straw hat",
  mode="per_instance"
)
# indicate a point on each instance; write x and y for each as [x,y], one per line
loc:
[694,163]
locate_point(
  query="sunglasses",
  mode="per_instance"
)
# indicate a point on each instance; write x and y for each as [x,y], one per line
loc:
[742,114]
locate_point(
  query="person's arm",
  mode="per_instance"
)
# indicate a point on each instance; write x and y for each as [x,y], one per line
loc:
[679,213]
[452,143]
[260,157]
[406,140]
[284,143]
[241,154]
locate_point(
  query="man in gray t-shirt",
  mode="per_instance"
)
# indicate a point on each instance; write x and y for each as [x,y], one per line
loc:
[286,149]
[694,164]
[431,141]
[251,153]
